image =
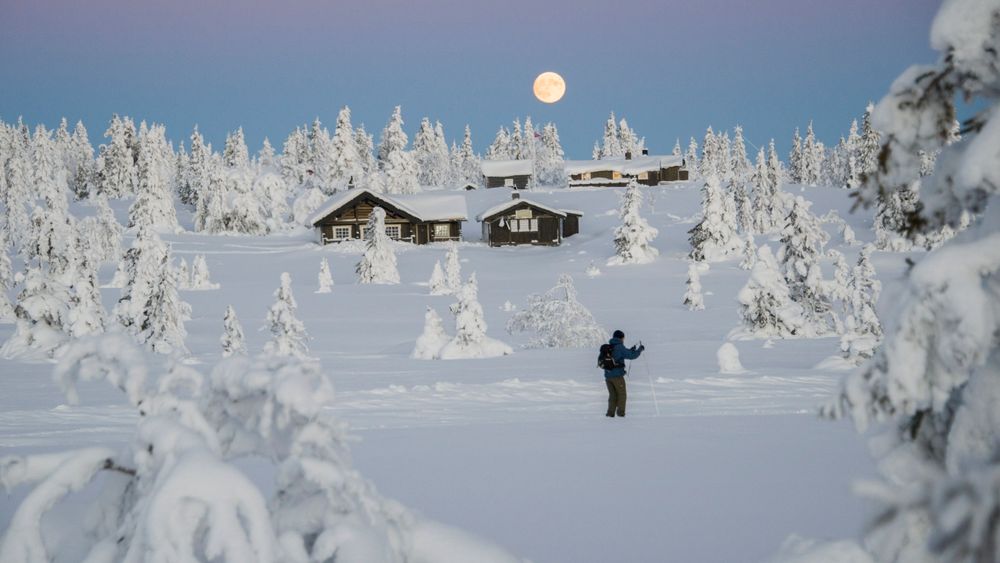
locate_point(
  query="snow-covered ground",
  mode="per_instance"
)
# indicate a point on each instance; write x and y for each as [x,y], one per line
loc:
[721,467]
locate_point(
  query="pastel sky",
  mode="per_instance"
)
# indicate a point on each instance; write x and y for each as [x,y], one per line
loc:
[672,68]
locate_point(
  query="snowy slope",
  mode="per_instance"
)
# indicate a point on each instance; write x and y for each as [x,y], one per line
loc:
[516,448]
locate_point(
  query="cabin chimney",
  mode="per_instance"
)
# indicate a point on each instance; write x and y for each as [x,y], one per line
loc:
[645,152]
[628,155]
[515,195]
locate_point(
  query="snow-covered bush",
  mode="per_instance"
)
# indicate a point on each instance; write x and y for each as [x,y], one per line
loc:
[288,334]
[453,268]
[432,339]
[592,270]
[935,381]
[438,283]
[693,297]
[470,339]
[634,235]
[558,319]
[176,491]
[378,263]
[324,279]
[200,277]
[42,313]
[729,359]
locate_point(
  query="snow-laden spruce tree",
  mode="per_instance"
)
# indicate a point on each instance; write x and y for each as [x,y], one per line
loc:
[378,263]
[470,339]
[550,167]
[176,491]
[430,154]
[183,274]
[739,162]
[766,305]
[154,204]
[116,163]
[86,311]
[288,334]
[713,239]
[200,276]
[498,149]
[803,240]
[6,278]
[863,329]
[235,154]
[438,283]
[105,232]
[691,158]
[400,173]
[324,279]
[767,210]
[138,270]
[394,139]
[453,268]
[634,235]
[693,298]
[934,382]
[749,253]
[893,212]
[432,339]
[347,164]
[466,167]
[558,319]
[161,320]
[232,339]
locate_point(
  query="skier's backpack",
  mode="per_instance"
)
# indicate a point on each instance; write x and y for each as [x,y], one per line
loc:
[606,358]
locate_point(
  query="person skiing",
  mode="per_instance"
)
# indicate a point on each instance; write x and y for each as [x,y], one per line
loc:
[613,356]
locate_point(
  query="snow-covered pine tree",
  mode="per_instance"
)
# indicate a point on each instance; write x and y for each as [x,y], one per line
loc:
[232,340]
[19,193]
[795,159]
[766,305]
[288,334]
[713,239]
[161,322]
[6,278]
[432,339]
[210,208]
[116,171]
[81,171]
[394,139]
[739,163]
[195,179]
[709,150]
[810,164]
[200,276]
[749,252]
[863,330]
[549,164]
[235,154]
[266,155]
[499,149]
[425,155]
[294,162]
[378,263]
[693,298]
[323,160]
[453,268]
[138,271]
[86,314]
[400,173]
[633,237]
[366,149]
[691,157]
[627,139]
[438,284]
[468,169]
[515,142]
[611,145]
[803,240]
[677,148]
[42,316]
[892,217]
[154,204]
[182,273]
[470,339]
[868,145]
[347,167]
[325,279]
[595,153]
[558,319]
[529,150]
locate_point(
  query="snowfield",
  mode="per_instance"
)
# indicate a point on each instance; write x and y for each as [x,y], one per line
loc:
[516,449]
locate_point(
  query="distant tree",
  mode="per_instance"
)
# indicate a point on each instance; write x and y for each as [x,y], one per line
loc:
[431,162]
[325,280]
[709,151]
[691,157]
[86,314]
[347,164]
[236,154]
[499,149]
[470,339]
[116,168]
[803,240]
[394,139]
[611,145]
[366,149]
[549,164]
[869,145]
[154,204]
[438,283]
[713,238]
[232,340]
[634,235]
[288,334]
[467,168]
[200,276]
[795,159]
[740,164]
[766,306]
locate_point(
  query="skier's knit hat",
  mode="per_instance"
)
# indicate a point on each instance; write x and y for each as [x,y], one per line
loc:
[618,334]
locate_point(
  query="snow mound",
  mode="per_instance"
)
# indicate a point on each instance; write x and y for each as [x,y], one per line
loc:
[729,359]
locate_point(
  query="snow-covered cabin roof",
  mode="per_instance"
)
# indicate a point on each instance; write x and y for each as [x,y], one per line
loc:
[498,209]
[422,207]
[633,166]
[506,168]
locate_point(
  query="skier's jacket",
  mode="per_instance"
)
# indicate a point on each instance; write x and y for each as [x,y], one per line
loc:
[620,354]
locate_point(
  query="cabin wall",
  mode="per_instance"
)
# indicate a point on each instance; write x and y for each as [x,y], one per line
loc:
[549,231]
[520,182]
[571,225]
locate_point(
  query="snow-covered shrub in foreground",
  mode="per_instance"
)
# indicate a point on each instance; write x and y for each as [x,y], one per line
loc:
[470,339]
[558,318]
[176,494]
[434,337]
[766,305]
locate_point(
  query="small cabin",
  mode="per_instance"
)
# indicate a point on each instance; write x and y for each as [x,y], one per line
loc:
[521,221]
[419,218]
[645,169]
[514,174]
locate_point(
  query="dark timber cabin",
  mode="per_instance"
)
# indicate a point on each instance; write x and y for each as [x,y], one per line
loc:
[413,218]
[647,170]
[521,221]
[507,173]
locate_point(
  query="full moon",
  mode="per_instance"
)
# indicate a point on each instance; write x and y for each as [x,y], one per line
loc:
[549,87]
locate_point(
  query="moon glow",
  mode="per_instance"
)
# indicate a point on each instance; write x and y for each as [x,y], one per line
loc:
[549,87]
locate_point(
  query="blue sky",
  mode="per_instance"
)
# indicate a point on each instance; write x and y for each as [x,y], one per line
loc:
[671,68]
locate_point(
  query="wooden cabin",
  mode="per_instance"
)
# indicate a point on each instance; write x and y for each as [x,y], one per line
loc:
[521,221]
[514,174]
[645,169]
[419,218]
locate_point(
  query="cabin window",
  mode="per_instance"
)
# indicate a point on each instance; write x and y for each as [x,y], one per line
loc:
[393,231]
[442,230]
[585,176]
[341,232]
[643,175]
[508,182]
[523,225]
